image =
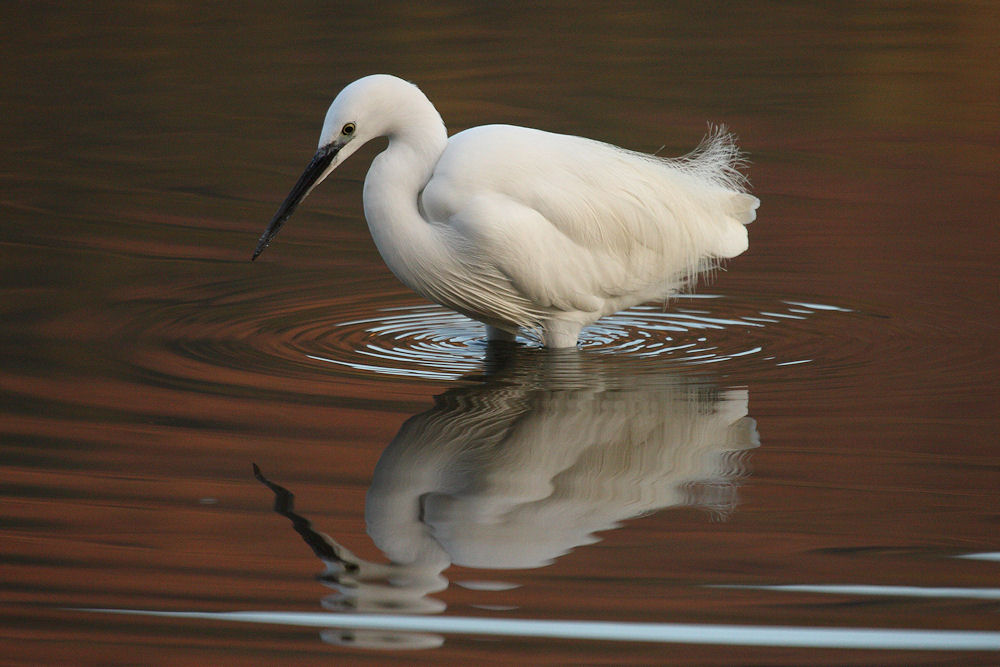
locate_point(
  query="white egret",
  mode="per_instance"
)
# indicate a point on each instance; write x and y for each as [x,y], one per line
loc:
[521,228]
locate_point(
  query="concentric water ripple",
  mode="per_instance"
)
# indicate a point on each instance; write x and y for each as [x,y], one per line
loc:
[431,341]
[257,334]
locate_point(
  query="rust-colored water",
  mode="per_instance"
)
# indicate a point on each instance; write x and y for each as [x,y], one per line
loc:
[825,413]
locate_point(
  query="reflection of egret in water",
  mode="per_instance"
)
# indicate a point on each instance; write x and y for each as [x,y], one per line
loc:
[552,448]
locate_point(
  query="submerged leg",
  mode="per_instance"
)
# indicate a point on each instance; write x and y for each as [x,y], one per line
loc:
[561,333]
[499,335]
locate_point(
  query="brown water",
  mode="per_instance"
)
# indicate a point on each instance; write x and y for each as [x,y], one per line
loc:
[824,413]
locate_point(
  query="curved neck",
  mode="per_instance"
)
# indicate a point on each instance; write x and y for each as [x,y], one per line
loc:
[392,191]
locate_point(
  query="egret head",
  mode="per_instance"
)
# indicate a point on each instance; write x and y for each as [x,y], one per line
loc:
[371,107]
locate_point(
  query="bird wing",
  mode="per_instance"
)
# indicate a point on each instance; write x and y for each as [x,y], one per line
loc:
[572,222]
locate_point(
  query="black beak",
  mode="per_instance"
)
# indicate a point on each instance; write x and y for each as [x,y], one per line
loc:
[317,167]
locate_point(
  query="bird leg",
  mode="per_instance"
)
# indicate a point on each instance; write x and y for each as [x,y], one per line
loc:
[561,333]
[499,335]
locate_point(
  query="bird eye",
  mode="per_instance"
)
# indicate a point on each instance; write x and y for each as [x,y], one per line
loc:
[347,130]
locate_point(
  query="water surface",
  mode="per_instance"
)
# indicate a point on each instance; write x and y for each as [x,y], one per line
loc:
[797,464]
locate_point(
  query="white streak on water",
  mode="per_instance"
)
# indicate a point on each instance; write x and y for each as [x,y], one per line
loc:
[894,591]
[993,556]
[819,306]
[730,635]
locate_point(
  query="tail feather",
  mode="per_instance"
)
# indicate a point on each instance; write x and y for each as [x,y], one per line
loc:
[743,208]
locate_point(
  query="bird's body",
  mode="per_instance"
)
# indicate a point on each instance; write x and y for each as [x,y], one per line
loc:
[521,228]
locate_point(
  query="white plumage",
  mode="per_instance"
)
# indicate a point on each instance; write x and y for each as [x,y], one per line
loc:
[520,228]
